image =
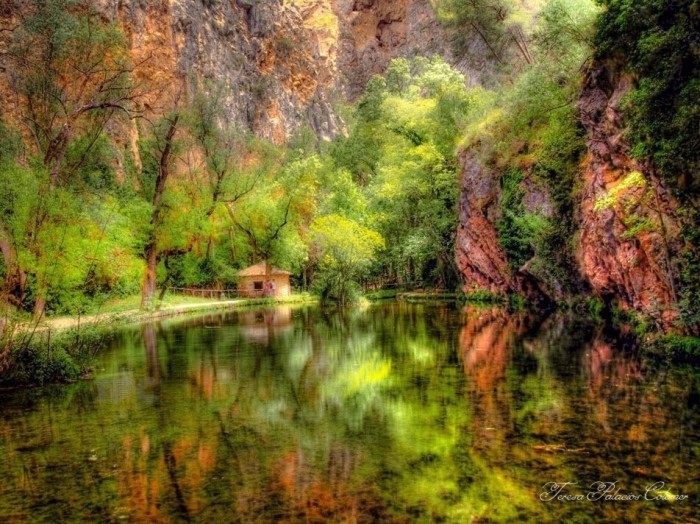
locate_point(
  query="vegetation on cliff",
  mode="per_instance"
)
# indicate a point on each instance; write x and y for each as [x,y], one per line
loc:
[657,43]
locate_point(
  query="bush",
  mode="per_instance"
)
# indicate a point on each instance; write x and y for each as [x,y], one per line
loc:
[658,41]
[519,231]
[330,288]
[381,294]
[41,359]
[675,349]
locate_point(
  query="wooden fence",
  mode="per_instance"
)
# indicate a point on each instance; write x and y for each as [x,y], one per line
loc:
[219,294]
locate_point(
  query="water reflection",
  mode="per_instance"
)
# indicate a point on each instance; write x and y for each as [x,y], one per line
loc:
[395,413]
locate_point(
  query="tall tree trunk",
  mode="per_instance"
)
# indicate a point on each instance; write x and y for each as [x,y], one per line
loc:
[148,289]
[216,193]
[56,153]
[210,247]
[520,40]
[15,278]
[39,306]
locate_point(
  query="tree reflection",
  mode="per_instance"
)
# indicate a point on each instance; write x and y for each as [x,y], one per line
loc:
[398,412]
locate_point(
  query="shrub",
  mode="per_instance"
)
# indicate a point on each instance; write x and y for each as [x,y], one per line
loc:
[42,359]
[675,348]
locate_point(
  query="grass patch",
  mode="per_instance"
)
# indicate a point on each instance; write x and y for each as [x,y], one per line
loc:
[296,298]
[482,296]
[382,294]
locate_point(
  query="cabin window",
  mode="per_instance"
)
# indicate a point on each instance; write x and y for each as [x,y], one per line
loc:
[258,285]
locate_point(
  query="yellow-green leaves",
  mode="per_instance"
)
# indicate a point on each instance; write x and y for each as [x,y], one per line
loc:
[621,191]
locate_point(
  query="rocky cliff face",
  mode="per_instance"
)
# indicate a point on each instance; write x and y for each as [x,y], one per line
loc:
[281,63]
[480,259]
[276,70]
[628,225]
[372,32]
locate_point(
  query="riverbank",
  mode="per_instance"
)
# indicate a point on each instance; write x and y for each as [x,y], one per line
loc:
[116,314]
[428,295]
[62,349]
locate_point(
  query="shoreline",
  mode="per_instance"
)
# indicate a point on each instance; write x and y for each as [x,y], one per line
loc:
[135,316]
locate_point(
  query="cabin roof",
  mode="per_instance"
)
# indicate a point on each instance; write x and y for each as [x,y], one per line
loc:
[260,270]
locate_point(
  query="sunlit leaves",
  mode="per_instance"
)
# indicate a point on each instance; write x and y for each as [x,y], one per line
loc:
[343,243]
[401,151]
[343,249]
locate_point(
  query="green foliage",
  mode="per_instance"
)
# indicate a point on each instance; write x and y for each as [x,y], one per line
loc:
[516,303]
[75,248]
[657,42]
[344,250]
[564,29]
[401,151]
[42,358]
[70,70]
[519,231]
[674,349]
[639,323]
[70,74]
[563,147]
[92,161]
[595,308]
[469,20]
[382,294]
[369,106]
[611,198]
[398,76]
[484,296]
[528,128]
[35,366]
[10,143]
[689,263]
[285,46]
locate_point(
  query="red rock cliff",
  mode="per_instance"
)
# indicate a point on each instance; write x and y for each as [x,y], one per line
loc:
[628,227]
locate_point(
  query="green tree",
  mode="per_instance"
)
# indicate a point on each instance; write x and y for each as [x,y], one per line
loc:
[344,250]
[161,150]
[70,72]
[498,24]
[412,195]
[273,217]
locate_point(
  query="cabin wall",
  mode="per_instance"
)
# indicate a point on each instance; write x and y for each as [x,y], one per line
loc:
[246,286]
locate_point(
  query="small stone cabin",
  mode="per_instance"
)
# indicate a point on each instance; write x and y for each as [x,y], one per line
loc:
[252,281]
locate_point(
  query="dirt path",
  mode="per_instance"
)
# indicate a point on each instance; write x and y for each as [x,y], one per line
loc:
[131,315]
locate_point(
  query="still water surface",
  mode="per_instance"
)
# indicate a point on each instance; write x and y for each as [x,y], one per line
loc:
[394,413]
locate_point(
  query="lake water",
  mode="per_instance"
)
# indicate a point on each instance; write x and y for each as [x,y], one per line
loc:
[393,413]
